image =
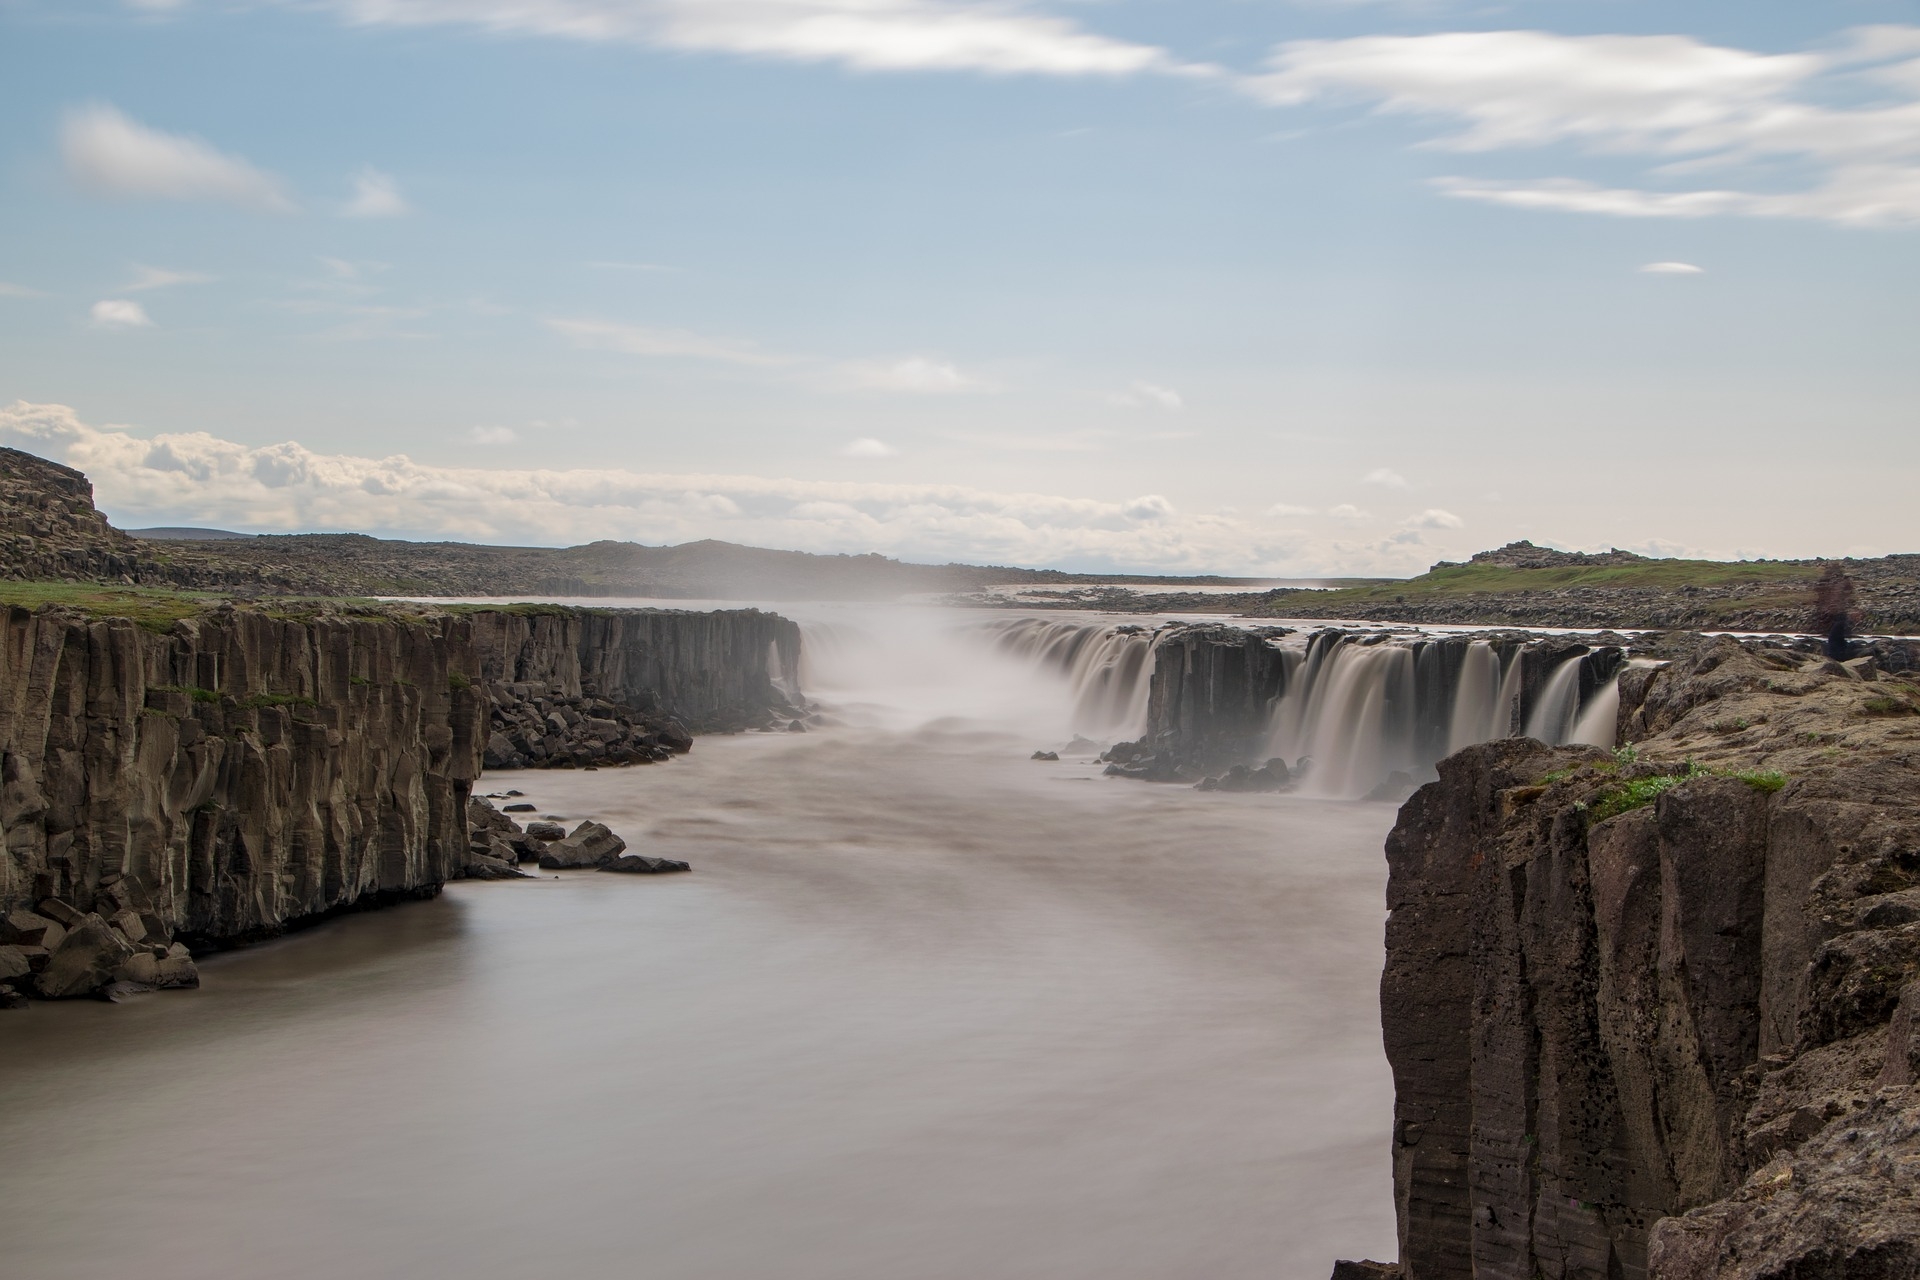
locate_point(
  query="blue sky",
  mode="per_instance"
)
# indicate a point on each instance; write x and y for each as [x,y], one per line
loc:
[1256,287]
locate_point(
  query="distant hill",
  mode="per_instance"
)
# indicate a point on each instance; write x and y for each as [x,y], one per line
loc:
[50,529]
[181,533]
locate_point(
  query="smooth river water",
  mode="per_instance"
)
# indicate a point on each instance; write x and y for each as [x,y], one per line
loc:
[925,1010]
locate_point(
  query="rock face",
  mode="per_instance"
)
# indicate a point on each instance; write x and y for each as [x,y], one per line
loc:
[1652,1014]
[247,770]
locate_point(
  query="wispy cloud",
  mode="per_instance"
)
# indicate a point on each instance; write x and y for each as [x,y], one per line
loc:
[1671,269]
[667,344]
[198,478]
[916,375]
[867,35]
[1433,518]
[1386,478]
[109,154]
[1152,394]
[1848,115]
[120,313]
[492,435]
[1347,511]
[18,291]
[375,195]
[868,447]
[159,278]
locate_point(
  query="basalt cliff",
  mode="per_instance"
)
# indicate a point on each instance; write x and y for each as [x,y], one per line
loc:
[1656,1011]
[201,773]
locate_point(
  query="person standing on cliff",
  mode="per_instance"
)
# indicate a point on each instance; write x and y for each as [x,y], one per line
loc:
[1833,610]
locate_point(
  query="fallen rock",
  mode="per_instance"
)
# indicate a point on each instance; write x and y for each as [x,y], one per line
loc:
[140,967]
[61,912]
[1365,1269]
[13,964]
[115,992]
[481,866]
[25,929]
[546,831]
[176,970]
[635,864]
[12,999]
[1269,777]
[1044,755]
[86,961]
[592,844]
[518,808]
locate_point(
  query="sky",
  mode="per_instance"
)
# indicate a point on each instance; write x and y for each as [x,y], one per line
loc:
[1260,287]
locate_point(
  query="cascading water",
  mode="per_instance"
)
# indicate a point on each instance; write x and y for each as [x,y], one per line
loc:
[1108,668]
[1359,709]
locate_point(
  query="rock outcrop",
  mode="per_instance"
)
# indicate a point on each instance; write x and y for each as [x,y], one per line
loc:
[228,776]
[1651,1013]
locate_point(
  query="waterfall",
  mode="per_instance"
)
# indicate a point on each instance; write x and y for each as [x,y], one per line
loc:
[1477,699]
[1108,669]
[1353,716]
[1558,705]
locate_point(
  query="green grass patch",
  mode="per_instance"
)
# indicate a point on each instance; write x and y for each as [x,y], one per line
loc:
[1460,581]
[150,607]
[457,682]
[259,700]
[1641,792]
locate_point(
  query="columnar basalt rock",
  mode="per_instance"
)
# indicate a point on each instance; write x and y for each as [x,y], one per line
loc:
[245,771]
[1651,1013]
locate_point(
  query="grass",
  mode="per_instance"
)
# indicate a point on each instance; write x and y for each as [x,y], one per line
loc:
[259,700]
[1469,580]
[1641,792]
[154,608]
[193,691]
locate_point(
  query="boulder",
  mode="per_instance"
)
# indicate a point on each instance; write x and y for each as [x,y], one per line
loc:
[24,928]
[86,961]
[13,963]
[116,991]
[592,844]
[522,807]
[140,967]
[1044,755]
[635,864]
[61,912]
[483,866]
[546,831]
[130,925]
[176,970]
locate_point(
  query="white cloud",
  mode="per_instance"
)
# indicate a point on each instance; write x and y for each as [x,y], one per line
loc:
[596,335]
[1433,518]
[18,291]
[1140,394]
[867,35]
[1347,511]
[492,435]
[200,479]
[1386,478]
[1849,116]
[867,447]
[375,195]
[914,375]
[119,313]
[159,278]
[1672,269]
[1288,509]
[111,155]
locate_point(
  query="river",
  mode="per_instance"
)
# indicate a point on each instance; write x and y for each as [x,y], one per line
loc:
[925,1010]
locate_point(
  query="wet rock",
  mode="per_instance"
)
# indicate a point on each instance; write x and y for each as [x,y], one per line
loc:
[85,962]
[546,831]
[12,999]
[140,967]
[796,727]
[485,867]
[640,865]
[115,992]
[1044,755]
[1271,776]
[176,970]
[592,844]
[1365,1269]
[519,808]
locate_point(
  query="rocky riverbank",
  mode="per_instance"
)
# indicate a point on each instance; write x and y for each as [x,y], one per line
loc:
[241,772]
[1652,1012]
